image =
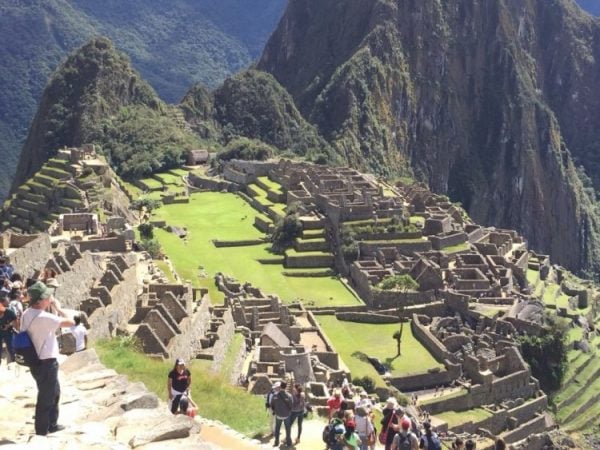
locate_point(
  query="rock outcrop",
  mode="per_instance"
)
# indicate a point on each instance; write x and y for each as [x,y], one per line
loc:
[492,102]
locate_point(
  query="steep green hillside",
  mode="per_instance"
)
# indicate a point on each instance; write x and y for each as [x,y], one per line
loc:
[468,96]
[96,97]
[173,43]
[253,104]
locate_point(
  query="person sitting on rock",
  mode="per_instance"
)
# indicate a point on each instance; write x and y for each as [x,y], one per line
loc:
[178,387]
[79,332]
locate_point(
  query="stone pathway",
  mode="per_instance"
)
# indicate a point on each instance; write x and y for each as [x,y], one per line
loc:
[102,410]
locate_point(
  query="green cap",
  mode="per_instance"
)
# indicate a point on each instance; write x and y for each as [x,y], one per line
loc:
[38,291]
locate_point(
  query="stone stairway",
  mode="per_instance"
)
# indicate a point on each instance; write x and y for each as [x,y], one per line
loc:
[102,410]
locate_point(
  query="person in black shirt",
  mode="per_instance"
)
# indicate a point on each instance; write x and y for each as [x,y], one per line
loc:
[178,386]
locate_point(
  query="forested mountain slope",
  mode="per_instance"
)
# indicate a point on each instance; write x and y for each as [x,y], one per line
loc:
[173,43]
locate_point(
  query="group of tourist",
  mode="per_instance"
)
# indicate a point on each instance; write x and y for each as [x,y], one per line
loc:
[354,427]
[30,306]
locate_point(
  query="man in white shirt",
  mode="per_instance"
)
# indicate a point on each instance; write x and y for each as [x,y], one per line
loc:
[80,334]
[41,327]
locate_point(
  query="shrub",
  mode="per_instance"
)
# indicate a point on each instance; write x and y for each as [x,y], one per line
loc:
[398,282]
[248,149]
[286,231]
[152,246]
[366,382]
[146,231]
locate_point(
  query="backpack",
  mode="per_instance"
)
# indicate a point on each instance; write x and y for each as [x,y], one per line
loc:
[329,434]
[25,352]
[404,441]
[431,442]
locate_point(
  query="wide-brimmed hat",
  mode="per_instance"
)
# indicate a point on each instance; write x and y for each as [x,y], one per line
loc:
[38,291]
[391,402]
[51,282]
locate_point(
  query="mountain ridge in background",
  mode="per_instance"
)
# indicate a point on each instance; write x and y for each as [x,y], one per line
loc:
[469,97]
[172,43]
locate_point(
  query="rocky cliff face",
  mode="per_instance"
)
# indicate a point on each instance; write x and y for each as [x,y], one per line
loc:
[491,101]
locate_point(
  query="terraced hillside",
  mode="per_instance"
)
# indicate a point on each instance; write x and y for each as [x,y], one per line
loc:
[52,191]
[578,402]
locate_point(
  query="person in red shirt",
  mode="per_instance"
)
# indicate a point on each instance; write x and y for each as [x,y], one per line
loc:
[334,403]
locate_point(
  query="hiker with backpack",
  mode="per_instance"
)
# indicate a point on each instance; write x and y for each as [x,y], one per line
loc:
[334,431]
[282,408]
[390,424]
[405,439]
[41,327]
[430,439]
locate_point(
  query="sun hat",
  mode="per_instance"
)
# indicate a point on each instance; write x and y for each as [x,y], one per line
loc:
[51,282]
[179,362]
[391,402]
[405,423]
[38,291]
[276,385]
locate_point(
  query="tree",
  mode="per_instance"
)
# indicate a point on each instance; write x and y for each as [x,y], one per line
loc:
[547,354]
[149,204]
[402,283]
[287,229]
[146,231]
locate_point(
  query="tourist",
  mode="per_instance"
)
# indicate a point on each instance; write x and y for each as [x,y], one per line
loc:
[390,421]
[364,427]
[350,438]
[500,444]
[178,387]
[336,433]
[282,408]
[8,320]
[365,401]
[6,269]
[430,439]
[268,405]
[405,439]
[334,403]
[15,305]
[41,327]
[470,445]
[16,281]
[458,444]
[79,332]
[298,409]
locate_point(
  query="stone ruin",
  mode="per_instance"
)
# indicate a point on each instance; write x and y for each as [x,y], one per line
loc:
[285,341]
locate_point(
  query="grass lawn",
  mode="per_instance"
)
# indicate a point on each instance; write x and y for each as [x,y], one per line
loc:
[224,216]
[162,265]
[550,294]
[455,418]
[215,397]
[151,183]
[272,185]
[457,248]
[417,219]
[377,340]
[533,276]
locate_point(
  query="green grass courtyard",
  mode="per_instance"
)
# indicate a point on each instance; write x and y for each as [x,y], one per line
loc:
[226,216]
[350,339]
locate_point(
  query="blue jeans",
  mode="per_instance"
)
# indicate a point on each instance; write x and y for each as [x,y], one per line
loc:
[46,408]
[296,415]
[288,429]
[7,337]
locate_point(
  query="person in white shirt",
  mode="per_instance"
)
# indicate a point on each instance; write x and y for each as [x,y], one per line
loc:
[80,334]
[41,327]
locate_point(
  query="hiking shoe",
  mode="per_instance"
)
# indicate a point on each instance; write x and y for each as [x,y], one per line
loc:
[56,428]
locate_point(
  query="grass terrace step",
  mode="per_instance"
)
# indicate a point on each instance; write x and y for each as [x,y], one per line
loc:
[24,189]
[582,389]
[54,172]
[586,419]
[313,234]
[45,180]
[57,163]
[309,273]
[267,184]
[151,184]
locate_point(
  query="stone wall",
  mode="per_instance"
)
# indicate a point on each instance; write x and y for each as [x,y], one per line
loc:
[391,299]
[370,248]
[32,256]
[426,380]
[113,244]
[536,425]
[225,333]
[76,283]
[441,242]
[104,321]
[429,341]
